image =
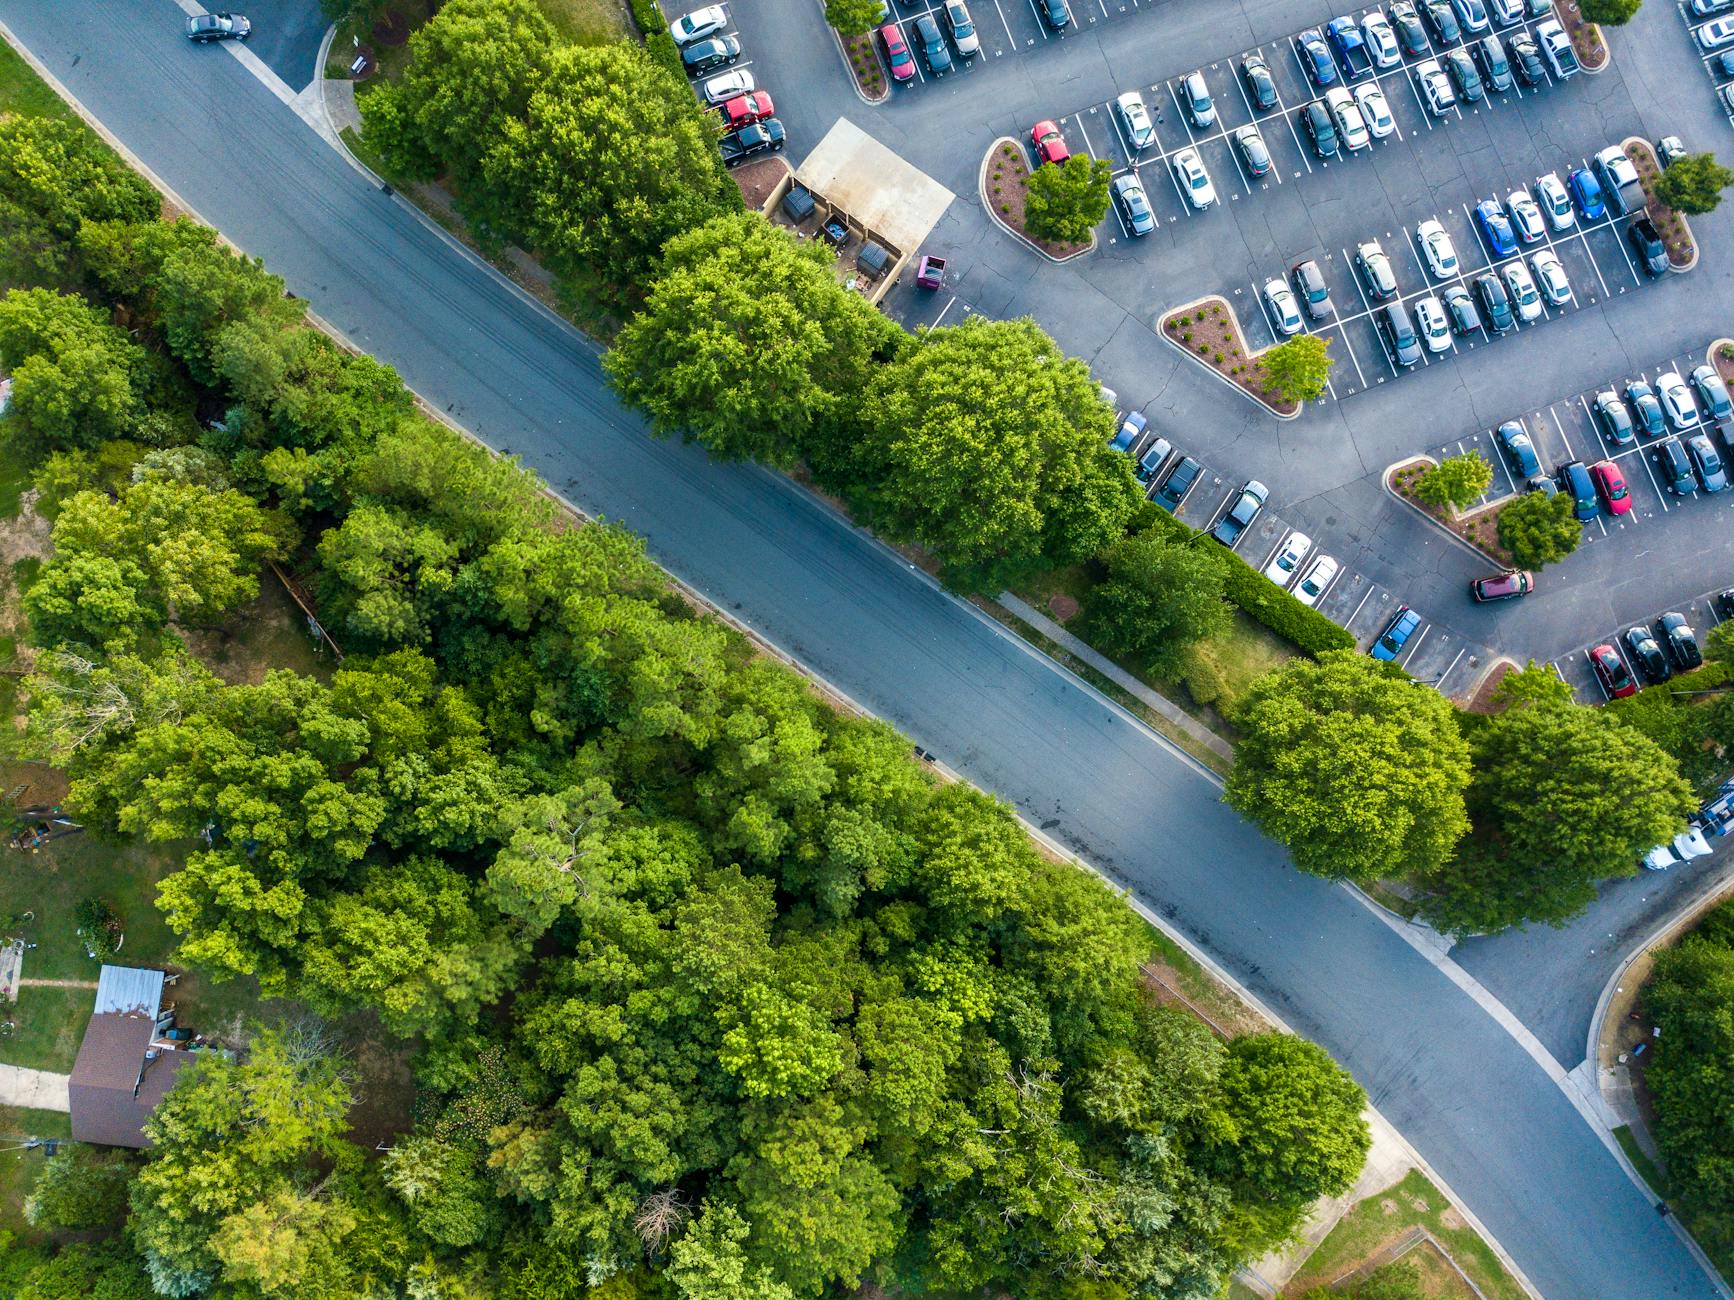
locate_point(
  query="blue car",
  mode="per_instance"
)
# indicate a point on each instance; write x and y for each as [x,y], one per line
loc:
[1316,56]
[1396,634]
[1586,192]
[1495,227]
[1134,425]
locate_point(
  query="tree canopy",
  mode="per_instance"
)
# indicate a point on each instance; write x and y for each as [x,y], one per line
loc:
[1352,767]
[1538,529]
[1298,369]
[1694,184]
[1160,598]
[1067,201]
[1456,481]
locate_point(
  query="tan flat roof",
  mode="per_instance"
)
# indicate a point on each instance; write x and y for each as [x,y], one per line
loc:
[893,199]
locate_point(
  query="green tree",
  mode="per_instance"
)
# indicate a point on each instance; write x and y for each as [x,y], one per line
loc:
[651,168]
[709,1263]
[746,341]
[1719,643]
[1538,529]
[1456,481]
[76,379]
[108,1270]
[1352,767]
[1066,202]
[54,175]
[1292,1120]
[1694,184]
[989,448]
[1532,684]
[202,289]
[1692,1080]
[1297,370]
[230,1187]
[471,69]
[1612,13]
[1160,598]
[1563,797]
[852,17]
[80,1189]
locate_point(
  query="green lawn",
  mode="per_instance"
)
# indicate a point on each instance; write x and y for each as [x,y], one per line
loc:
[1646,1167]
[1384,1216]
[587,22]
[23,92]
[50,1026]
[1224,667]
[18,1169]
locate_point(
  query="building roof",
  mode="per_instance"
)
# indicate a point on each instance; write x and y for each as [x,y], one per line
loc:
[114,1086]
[127,988]
[897,202]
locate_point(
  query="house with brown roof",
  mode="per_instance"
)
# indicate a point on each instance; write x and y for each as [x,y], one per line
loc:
[124,1064]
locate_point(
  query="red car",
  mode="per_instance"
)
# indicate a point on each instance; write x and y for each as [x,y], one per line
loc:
[744,110]
[1612,486]
[1615,677]
[1050,144]
[897,53]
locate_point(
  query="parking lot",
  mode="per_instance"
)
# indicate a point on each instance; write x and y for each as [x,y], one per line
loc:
[1718,65]
[1574,666]
[1006,27]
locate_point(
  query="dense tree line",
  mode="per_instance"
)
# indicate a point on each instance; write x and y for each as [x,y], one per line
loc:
[716,992]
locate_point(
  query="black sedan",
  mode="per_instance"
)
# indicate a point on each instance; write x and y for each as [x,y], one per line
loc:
[218,27]
[760,137]
[1260,86]
[1681,641]
[1647,655]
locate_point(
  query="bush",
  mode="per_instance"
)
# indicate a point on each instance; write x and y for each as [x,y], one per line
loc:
[1246,587]
[99,928]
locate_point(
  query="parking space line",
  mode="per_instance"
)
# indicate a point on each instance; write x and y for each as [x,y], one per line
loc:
[1415,648]
[1087,148]
[1041,23]
[1005,22]
[1365,596]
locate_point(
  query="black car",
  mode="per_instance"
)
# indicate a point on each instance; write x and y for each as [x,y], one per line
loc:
[1463,74]
[1410,34]
[1178,483]
[933,47]
[1441,20]
[1495,302]
[1057,14]
[1675,468]
[1647,655]
[717,52]
[1239,516]
[1526,59]
[759,137]
[1490,54]
[1260,86]
[1646,242]
[1460,307]
[1682,643]
[1323,132]
[1724,602]
[218,27]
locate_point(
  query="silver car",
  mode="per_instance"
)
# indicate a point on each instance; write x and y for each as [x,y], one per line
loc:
[962,29]
[1285,315]
[1135,120]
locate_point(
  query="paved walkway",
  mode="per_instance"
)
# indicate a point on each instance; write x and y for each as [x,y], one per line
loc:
[1118,675]
[57,984]
[33,1089]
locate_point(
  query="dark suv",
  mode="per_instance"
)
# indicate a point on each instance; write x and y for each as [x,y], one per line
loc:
[1575,479]
[1676,467]
[1239,516]
[1646,242]
[1323,132]
[1495,302]
[1178,483]
[758,137]
[717,52]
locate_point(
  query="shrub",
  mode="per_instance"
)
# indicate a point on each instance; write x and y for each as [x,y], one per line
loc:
[99,928]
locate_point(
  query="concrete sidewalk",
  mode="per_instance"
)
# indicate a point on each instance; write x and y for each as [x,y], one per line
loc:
[33,1089]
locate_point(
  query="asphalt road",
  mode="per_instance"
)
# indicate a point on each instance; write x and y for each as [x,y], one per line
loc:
[1440,1068]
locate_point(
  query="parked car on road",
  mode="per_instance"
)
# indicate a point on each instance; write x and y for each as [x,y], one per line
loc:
[1310,287]
[1396,634]
[1254,154]
[1435,87]
[1316,58]
[1586,192]
[1713,393]
[744,110]
[1437,249]
[1495,227]
[1677,400]
[1057,13]
[1381,40]
[1375,269]
[1410,34]
[1550,276]
[1646,409]
[1321,130]
[203,28]
[1460,307]
[1150,463]
[1464,76]
[1179,481]
[1194,181]
[719,52]
[1495,302]
[1526,59]
[1239,516]
[741,144]
[1350,123]
[1375,111]
[1131,429]
[1049,144]
[1711,476]
[1398,331]
[1575,479]
[1524,295]
[1647,655]
[730,85]
[1551,194]
[1680,641]
[1614,420]
[1526,218]
[1646,242]
[1515,442]
[1611,486]
[1503,586]
[963,34]
[1495,65]
[1441,21]
[1134,204]
[1430,320]
[1674,467]
[1279,301]
[933,47]
[1135,121]
[1195,95]
[1556,49]
[1260,85]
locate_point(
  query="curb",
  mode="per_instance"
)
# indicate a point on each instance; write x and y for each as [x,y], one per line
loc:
[1385,482]
[987,205]
[849,68]
[1248,353]
[1716,345]
[1697,248]
[1607,52]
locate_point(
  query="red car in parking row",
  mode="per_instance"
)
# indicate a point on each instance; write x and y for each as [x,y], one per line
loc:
[744,110]
[897,52]
[1616,678]
[1611,486]
[1050,145]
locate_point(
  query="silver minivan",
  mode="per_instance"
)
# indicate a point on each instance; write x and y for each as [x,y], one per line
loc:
[1400,336]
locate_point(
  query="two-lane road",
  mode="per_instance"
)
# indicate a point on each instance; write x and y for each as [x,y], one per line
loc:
[1480,1109]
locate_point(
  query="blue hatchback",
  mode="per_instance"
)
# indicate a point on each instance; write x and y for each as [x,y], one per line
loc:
[1495,227]
[1396,634]
[1586,192]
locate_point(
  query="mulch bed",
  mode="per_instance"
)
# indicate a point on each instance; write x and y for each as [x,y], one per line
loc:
[1063,607]
[864,63]
[1586,38]
[1675,232]
[1482,700]
[1723,360]
[757,181]
[1480,528]
[1210,331]
[1007,186]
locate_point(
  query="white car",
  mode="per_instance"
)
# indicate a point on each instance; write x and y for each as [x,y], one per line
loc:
[1350,124]
[1550,275]
[1435,87]
[1659,858]
[1285,314]
[1713,36]
[1381,40]
[719,90]
[1677,400]
[1523,292]
[1371,101]
[1615,167]
[1193,179]
[1316,581]
[962,28]
[1690,843]
[1555,202]
[1435,327]
[1135,120]
[1472,14]
[1505,12]
[1437,249]
[699,24]
[1287,561]
[1526,218]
